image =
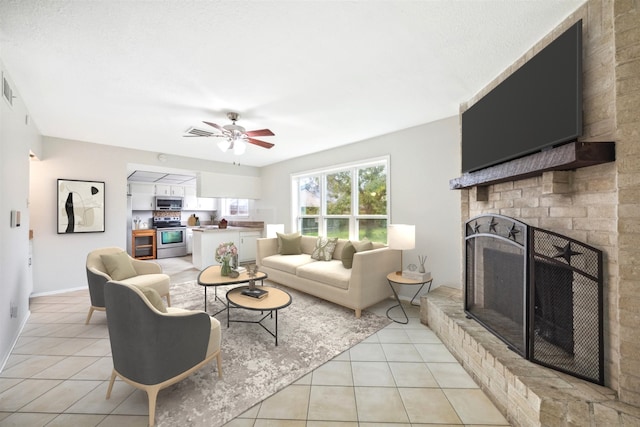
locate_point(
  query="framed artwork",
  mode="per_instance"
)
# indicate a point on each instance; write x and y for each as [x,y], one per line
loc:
[80,206]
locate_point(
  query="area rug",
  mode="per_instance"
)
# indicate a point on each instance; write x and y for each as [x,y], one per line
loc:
[311,332]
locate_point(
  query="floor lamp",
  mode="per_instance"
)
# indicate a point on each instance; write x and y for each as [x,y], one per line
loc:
[401,237]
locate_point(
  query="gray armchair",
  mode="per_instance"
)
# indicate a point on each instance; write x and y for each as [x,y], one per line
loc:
[152,350]
[124,268]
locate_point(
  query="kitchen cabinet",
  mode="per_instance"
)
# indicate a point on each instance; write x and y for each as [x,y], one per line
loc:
[206,204]
[248,241]
[189,240]
[169,190]
[228,186]
[190,199]
[194,203]
[205,244]
[143,244]
[142,196]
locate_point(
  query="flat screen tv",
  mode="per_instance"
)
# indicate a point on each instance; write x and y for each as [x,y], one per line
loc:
[537,107]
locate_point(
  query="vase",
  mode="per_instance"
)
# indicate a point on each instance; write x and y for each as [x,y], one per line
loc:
[225,269]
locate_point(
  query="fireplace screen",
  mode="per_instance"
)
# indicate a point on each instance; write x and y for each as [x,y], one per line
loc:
[538,291]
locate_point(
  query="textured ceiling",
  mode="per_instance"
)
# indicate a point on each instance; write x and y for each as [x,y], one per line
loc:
[319,74]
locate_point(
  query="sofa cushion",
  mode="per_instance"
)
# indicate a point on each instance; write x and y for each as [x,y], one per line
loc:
[118,265]
[153,297]
[324,248]
[351,248]
[287,263]
[289,244]
[158,281]
[331,273]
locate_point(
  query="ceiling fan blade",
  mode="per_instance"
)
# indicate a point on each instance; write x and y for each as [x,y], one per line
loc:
[220,128]
[260,132]
[260,143]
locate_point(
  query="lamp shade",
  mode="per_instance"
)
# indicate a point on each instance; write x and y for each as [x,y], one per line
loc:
[272,229]
[401,236]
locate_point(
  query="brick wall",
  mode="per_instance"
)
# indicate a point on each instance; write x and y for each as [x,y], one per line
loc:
[627,57]
[598,205]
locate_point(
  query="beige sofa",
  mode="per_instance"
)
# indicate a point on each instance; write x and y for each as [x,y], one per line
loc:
[356,288]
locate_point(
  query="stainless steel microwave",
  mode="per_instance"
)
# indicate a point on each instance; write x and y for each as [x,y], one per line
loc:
[169,203]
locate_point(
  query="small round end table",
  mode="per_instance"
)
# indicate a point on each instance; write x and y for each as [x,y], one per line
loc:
[395,278]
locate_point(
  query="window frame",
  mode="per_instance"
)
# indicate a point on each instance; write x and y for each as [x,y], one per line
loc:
[226,207]
[354,216]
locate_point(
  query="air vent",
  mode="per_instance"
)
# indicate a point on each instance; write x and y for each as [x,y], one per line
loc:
[7,92]
[198,132]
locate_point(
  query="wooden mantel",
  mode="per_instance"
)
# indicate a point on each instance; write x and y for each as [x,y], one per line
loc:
[569,156]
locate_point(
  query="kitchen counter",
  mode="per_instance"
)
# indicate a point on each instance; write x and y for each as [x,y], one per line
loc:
[208,228]
[207,238]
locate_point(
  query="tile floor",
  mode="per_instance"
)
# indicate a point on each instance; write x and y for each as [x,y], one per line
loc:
[58,373]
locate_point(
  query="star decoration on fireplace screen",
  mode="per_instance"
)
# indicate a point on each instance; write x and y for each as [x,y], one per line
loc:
[565,252]
[476,228]
[513,232]
[492,225]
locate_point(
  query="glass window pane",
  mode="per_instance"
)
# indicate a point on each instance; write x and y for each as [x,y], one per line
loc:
[243,207]
[373,229]
[338,227]
[238,207]
[309,195]
[339,193]
[309,226]
[372,190]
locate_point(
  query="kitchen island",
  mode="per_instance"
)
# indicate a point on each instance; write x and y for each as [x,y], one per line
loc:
[207,239]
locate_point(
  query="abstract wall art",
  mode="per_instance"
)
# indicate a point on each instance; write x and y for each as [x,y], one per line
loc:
[80,206]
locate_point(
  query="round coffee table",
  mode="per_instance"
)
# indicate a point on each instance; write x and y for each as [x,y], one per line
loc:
[211,276]
[275,300]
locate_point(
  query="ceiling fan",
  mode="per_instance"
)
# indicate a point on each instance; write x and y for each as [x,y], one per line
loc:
[235,136]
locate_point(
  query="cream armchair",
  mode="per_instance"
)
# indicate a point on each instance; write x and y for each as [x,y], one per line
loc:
[113,263]
[153,349]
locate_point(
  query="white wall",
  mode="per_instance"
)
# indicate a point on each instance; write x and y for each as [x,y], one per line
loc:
[423,160]
[17,136]
[59,259]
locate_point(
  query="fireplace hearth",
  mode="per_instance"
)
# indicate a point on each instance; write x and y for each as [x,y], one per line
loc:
[538,291]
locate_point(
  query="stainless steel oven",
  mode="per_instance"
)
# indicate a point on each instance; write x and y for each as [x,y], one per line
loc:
[171,237]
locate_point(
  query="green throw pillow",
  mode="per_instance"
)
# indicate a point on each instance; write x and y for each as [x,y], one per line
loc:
[153,297]
[324,248]
[118,265]
[350,248]
[289,244]
[347,254]
[363,245]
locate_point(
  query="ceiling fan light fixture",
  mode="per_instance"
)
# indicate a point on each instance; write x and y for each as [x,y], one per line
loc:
[239,147]
[224,145]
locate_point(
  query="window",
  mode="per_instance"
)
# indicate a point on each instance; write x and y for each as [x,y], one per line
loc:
[236,207]
[349,202]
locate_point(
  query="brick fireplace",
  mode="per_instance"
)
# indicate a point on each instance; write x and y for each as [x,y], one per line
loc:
[538,291]
[598,205]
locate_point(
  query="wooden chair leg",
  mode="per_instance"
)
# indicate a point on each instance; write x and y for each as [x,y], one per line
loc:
[219,363]
[89,315]
[113,378]
[152,394]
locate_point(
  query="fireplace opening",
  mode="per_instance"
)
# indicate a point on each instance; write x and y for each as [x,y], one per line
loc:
[553,306]
[538,291]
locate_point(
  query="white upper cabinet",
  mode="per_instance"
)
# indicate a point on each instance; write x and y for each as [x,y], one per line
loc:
[142,196]
[228,186]
[169,190]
